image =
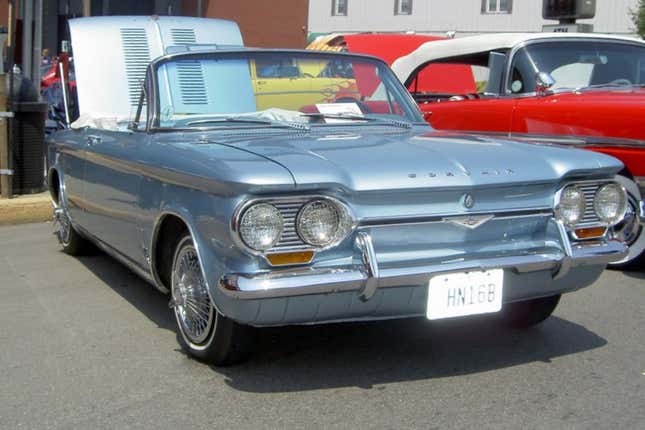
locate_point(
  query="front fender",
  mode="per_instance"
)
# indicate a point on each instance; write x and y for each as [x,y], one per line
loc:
[207,218]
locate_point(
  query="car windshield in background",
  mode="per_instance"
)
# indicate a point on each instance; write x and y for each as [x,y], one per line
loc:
[578,64]
[247,89]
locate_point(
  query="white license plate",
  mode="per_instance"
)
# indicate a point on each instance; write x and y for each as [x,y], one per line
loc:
[466,293]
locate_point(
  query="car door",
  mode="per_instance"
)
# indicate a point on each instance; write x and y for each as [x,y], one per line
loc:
[72,161]
[112,184]
[482,114]
[457,95]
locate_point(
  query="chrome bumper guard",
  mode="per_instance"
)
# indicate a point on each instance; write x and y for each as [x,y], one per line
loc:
[367,277]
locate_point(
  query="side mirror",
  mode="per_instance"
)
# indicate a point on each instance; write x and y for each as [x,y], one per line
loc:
[543,83]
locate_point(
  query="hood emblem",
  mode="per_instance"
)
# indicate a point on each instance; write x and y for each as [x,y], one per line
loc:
[469,221]
[468,201]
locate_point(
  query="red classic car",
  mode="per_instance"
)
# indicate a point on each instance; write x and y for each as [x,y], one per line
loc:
[584,90]
[447,78]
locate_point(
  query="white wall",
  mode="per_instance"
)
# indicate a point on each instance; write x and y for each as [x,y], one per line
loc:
[439,16]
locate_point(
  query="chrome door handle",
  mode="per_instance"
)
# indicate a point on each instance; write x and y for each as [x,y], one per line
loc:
[93,140]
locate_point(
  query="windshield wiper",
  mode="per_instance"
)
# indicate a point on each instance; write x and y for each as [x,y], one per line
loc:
[247,120]
[352,117]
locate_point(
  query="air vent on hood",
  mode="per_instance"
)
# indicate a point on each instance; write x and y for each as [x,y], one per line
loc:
[191,83]
[137,57]
[183,36]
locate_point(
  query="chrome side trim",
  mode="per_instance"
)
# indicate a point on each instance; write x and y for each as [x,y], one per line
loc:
[512,214]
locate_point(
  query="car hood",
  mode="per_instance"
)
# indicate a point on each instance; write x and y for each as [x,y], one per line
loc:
[374,159]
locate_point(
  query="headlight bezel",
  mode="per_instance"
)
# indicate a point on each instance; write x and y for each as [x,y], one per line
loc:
[590,216]
[245,212]
[279,201]
[345,222]
[621,214]
[558,201]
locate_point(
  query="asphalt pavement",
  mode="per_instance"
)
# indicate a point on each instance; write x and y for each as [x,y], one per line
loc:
[84,343]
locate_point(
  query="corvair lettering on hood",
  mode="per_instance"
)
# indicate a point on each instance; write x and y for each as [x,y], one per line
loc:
[449,173]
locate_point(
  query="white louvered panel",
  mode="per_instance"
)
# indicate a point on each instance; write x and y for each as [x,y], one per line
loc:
[183,36]
[192,85]
[137,57]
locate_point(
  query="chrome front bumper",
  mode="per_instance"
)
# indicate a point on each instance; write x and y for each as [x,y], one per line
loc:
[367,277]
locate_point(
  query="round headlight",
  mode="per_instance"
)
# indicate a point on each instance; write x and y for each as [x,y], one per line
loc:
[610,203]
[571,207]
[261,226]
[323,222]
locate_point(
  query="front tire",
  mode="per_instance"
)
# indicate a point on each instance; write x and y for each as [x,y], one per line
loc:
[530,312]
[205,333]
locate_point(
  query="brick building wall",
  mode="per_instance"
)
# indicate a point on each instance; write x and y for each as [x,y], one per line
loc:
[265,24]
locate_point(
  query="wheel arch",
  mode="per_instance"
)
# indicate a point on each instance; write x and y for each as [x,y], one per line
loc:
[168,229]
[54,185]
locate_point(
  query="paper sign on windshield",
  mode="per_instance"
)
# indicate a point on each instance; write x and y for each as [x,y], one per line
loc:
[350,109]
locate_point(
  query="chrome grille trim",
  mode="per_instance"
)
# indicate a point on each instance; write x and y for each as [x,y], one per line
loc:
[590,218]
[289,239]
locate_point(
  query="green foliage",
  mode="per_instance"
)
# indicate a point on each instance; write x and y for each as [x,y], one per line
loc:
[638,18]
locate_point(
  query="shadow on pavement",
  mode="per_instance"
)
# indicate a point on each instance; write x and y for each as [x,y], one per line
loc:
[300,358]
[143,296]
[368,354]
[637,274]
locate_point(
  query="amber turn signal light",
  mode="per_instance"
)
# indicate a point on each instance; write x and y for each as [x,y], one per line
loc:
[287,258]
[590,233]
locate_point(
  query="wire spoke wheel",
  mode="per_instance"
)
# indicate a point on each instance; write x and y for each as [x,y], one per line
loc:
[63,227]
[193,308]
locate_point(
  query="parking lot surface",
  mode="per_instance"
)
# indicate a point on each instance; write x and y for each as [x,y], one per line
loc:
[84,343]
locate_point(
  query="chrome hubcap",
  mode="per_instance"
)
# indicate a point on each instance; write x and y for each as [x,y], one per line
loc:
[190,298]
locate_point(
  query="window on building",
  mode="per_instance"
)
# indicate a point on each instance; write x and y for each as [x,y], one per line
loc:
[402,7]
[497,6]
[339,7]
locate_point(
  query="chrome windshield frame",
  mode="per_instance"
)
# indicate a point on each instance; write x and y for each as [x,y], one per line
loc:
[411,109]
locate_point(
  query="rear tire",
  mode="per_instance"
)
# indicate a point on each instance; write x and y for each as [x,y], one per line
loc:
[530,312]
[71,241]
[205,333]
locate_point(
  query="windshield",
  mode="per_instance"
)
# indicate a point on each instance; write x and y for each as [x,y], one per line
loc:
[251,89]
[578,64]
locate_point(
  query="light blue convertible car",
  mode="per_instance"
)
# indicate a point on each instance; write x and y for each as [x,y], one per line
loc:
[273,187]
